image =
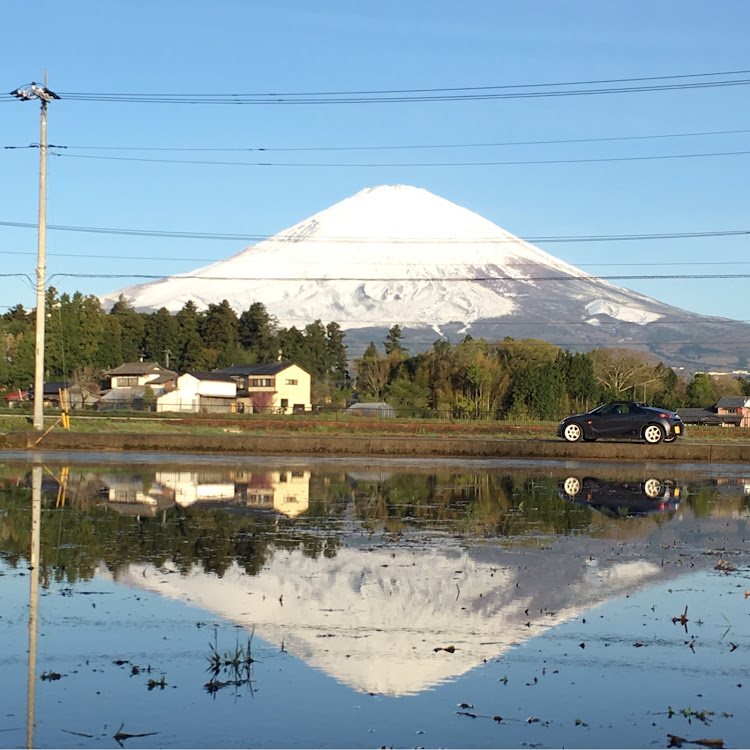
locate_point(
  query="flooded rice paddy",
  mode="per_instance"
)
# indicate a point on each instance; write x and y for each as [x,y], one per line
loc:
[302,603]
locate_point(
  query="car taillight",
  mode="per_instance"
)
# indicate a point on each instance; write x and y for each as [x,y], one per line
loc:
[663,416]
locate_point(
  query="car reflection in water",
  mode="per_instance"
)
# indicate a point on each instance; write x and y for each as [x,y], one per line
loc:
[617,498]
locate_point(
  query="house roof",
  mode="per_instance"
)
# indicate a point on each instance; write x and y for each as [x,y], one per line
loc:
[268,369]
[731,402]
[122,394]
[55,386]
[219,376]
[16,396]
[139,368]
[707,416]
[379,406]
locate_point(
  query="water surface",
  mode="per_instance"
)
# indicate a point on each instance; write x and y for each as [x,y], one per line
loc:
[302,603]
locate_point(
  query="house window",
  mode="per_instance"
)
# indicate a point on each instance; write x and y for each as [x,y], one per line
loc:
[127,382]
[284,403]
[289,381]
[261,382]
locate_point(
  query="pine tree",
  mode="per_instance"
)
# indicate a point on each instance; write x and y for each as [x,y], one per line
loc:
[337,355]
[257,332]
[393,341]
[218,330]
[316,359]
[132,326]
[160,338]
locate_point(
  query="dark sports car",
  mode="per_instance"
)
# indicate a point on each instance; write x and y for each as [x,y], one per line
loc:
[623,419]
[613,497]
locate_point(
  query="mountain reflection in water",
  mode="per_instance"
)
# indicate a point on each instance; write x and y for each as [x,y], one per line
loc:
[369,575]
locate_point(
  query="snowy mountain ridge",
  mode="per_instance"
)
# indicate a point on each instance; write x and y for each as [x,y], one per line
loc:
[397,254]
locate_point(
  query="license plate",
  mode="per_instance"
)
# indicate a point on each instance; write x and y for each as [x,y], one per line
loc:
[677,430]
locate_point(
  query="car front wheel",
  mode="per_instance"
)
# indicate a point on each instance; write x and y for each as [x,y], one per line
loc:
[572,432]
[572,486]
[652,488]
[653,433]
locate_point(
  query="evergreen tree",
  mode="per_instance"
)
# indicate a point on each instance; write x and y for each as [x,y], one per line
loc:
[316,358]
[161,339]
[132,326]
[337,355]
[92,333]
[192,354]
[291,345]
[218,330]
[188,322]
[393,341]
[257,333]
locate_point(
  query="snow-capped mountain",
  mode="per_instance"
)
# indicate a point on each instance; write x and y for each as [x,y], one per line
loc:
[400,254]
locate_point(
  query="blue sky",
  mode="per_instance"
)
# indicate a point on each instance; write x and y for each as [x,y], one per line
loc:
[251,47]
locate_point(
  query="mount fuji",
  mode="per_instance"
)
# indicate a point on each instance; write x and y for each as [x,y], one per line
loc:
[396,254]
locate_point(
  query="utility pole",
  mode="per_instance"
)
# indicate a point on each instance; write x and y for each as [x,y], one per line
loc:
[44,95]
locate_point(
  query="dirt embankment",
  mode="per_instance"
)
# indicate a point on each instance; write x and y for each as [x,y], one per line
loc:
[377,445]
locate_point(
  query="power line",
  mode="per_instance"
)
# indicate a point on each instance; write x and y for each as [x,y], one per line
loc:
[170,234]
[441,94]
[183,259]
[406,279]
[517,162]
[395,147]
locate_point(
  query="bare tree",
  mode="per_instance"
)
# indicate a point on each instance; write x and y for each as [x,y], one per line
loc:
[624,370]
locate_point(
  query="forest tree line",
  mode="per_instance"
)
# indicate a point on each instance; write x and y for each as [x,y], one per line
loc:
[516,378]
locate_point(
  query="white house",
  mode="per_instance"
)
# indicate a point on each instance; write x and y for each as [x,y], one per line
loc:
[127,383]
[136,374]
[207,392]
[277,388]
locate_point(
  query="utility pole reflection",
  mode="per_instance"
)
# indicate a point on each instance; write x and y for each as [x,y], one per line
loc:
[36,524]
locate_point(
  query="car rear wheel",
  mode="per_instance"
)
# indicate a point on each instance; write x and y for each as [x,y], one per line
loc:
[572,432]
[653,433]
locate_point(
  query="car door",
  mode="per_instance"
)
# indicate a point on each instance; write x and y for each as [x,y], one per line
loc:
[618,420]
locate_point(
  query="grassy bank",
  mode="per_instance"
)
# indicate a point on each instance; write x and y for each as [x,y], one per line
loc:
[337,424]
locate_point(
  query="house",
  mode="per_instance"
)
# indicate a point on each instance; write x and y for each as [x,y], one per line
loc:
[190,487]
[734,406]
[730,411]
[283,491]
[138,374]
[278,388]
[15,397]
[79,396]
[372,409]
[127,383]
[205,392]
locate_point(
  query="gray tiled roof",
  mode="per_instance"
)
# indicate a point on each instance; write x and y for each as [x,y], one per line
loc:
[139,368]
[268,369]
[731,402]
[219,376]
[707,416]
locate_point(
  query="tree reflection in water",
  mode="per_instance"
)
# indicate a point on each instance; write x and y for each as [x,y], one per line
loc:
[143,516]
